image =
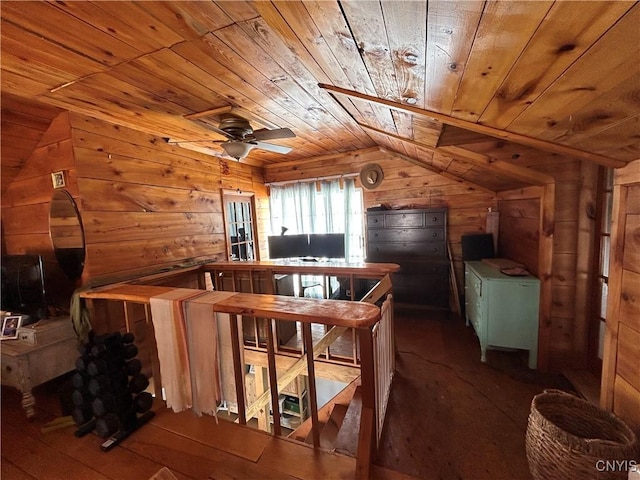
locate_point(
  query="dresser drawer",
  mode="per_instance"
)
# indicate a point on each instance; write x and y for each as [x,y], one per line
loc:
[420,266]
[404,220]
[433,234]
[432,219]
[377,250]
[375,220]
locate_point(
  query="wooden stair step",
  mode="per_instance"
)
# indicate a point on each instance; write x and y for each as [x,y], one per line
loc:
[324,413]
[347,439]
[330,431]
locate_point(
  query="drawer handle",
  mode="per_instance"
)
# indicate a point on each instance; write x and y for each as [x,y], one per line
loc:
[434,250]
[8,368]
[434,234]
[434,219]
[375,220]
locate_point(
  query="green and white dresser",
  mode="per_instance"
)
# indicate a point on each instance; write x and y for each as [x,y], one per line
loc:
[502,309]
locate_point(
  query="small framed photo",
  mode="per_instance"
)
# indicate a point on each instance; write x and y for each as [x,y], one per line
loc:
[58,179]
[10,327]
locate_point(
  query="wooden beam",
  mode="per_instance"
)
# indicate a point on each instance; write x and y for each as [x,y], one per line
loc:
[499,166]
[545,272]
[444,173]
[478,128]
[524,174]
[331,371]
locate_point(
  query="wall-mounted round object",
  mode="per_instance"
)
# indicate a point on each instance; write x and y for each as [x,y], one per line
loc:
[67,234]
[371,176]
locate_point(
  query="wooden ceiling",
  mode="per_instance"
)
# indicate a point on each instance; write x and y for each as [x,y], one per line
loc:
[485,91]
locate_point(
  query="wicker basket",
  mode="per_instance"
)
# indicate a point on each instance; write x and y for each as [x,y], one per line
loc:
[568,438]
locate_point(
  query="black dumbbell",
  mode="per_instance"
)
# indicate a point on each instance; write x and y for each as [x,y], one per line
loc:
[143,402]
[133,367]
[82,362]
[82,415]
[128,337]
[79,380]
[102,384]
[107,366]
[81,398]
[138,383]
[125,351]
[107,425]
[111,403]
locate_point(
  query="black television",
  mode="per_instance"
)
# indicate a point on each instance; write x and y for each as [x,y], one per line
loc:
[288,246]
[23,286]
[326,245]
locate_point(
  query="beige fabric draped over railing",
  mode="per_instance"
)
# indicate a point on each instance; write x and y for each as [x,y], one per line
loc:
[186,333]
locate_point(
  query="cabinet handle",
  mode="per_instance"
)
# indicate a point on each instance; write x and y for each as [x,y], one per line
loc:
[434,234]
[434,219]
[8,368]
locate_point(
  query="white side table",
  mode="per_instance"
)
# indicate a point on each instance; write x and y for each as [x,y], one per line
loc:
[26,366]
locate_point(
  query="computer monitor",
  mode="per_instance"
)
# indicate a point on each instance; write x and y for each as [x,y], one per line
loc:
[288,246]
[327,245]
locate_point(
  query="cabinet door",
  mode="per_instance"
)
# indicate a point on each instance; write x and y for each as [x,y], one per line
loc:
[512,313]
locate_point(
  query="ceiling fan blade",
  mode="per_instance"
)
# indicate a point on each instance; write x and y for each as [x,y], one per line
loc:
[270,147]
[266,134]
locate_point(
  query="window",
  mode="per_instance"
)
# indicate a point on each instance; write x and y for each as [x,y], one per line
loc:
[240,226]
[603,248]
[333,206]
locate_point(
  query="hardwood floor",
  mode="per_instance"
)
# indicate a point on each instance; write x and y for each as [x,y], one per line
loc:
[449,417]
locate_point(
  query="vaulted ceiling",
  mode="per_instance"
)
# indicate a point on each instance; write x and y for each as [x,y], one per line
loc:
[485,91]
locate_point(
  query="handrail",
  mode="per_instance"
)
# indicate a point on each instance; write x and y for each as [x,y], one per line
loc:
[363,316]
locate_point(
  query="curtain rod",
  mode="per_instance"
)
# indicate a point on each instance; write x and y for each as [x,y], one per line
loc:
[311,180]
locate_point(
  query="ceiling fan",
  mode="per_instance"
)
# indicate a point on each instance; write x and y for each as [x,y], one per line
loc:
[242,138]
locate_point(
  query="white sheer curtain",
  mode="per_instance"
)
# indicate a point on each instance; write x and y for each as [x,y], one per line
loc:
[301,208]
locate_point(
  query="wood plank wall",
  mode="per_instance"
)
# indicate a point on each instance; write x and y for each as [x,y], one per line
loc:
[145,205]
[405,185]
[620,388]
[567,326]
[148,205]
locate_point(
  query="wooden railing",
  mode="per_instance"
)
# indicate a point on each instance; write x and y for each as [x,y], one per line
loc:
[383,360]
[374,359]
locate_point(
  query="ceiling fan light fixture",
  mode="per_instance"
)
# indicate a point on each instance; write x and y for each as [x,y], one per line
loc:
[237,150]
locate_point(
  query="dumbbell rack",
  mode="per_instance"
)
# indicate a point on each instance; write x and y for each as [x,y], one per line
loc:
[109,394]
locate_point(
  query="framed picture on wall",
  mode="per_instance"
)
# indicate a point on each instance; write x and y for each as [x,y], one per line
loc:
[57,178]
[10,327]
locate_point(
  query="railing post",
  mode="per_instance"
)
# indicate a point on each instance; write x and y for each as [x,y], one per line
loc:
[238,369]
[313,401]
[273,378]
[367,434]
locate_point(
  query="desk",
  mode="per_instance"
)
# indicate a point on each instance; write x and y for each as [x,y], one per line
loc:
[26,366]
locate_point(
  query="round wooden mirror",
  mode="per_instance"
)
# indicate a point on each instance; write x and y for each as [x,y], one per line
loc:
[67,235]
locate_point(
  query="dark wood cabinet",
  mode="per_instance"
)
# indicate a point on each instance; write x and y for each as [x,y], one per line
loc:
[417,241]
